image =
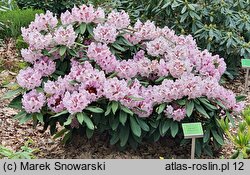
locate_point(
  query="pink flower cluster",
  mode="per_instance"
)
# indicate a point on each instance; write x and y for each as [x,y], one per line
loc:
[188,72]
[177,114]
[33,101]
[65,36]
[83,14]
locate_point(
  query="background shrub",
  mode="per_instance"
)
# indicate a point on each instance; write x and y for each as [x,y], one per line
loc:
[222,27]
[55,6]
[13,20]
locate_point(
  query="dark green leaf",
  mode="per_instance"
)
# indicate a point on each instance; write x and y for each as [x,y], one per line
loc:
[123,117]
[217,137]
[135,98]
[68,122]
[114,139]
[198,147]
[114,122]
[94,109]
[16,103]
[62,50]
[89,133]
[206,137]
[25,118]
[174,128]
[114,106]
[123,135]
[88,121]
[144,126]
[160,79]
[12,93]
[125,109]
[80,117]
[90,29]
[201,110]
[73,53]
[60,133]
[39,117]
[160,108]
[126,42]
[67,137]
[207,104]
[20,115]
[208,150]
[230,118]
[83,27]
[59,114]
[53,50]
[164,126]
[113,75]
[189,108]
[108,109]
[181,102]
[118,47]
[240,98]
[135,127]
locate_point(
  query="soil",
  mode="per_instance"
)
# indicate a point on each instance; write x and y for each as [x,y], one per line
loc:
[13,135]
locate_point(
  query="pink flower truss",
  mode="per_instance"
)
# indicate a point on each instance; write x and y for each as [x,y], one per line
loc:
[30,56]
[29,78]
[105,33]
[119,20]
[65,36]
[76,101]
[45,66]
[33,101]
[55,103]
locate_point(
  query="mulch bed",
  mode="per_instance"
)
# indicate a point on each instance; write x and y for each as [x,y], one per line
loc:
[13,135]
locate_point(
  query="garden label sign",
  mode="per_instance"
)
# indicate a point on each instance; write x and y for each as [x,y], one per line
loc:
[192,130]
[245,63]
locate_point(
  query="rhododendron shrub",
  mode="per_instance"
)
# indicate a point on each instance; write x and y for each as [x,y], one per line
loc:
[96,72]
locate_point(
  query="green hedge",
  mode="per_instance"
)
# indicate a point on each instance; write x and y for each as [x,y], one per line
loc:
[13,20]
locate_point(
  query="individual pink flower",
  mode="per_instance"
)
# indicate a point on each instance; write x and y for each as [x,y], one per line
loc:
[119,20]
[179,114]
[30,56]
[29,78]
[33,101]
[45,66]
[99,16]
[144,108]
[55,103]
[126,69]
[115,89]
[177,68]
[103,57]
[98,51]
[84,13]
[67,18]
[105,33]
[76,101]
[65,36]
[158,46]
[146,31]
[37,41]
[169,110]
[44,22]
